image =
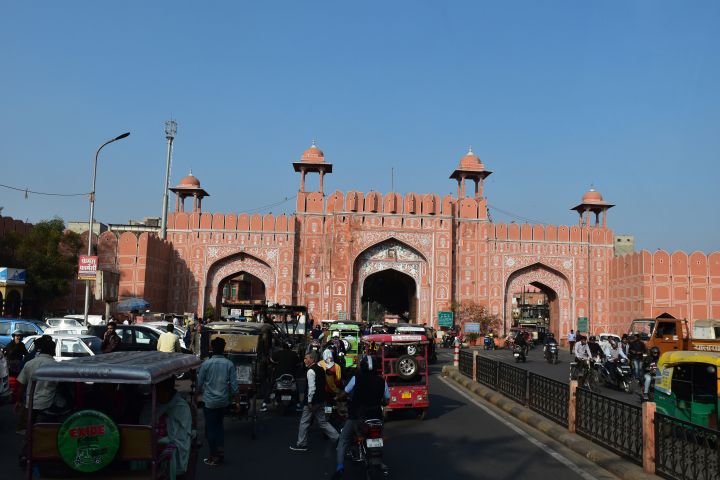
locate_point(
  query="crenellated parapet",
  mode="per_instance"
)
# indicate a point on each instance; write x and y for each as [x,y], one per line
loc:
[9,224]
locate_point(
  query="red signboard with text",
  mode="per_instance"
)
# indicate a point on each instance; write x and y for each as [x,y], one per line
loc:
[87,267]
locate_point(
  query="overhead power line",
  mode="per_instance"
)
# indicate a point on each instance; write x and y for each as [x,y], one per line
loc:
[27,191]
[514,215]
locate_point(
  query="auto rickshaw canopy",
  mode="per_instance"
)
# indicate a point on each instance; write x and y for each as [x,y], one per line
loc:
[119,367]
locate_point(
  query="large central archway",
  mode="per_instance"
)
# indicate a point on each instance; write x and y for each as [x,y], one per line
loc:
[550,282]
[389,292]
[389,274]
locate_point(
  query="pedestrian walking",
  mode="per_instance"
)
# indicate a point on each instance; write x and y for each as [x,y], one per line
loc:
[314,403]
[571,340]
[168,342]
[15,353]
[217,380]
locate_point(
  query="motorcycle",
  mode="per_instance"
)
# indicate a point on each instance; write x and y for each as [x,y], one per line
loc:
[284,393]
[368,446]
[551,353]
[621,378]
[489,343]
[447,341]
[586,372]
[520,353]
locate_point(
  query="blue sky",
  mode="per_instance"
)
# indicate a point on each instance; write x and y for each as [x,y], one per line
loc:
[554,96]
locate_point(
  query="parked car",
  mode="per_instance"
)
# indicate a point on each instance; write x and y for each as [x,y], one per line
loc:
[68,326]
[27,327]
[92,319]
[133,337]
[67,346]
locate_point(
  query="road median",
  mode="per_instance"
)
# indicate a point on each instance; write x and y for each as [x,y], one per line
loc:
[609,461]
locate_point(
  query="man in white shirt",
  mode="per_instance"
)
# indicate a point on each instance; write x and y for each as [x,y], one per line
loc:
[571,340]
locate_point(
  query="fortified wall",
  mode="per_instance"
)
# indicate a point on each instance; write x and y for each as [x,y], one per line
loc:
[337,251]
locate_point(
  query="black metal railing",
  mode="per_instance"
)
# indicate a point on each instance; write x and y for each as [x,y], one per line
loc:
[466,367]
[686,451]
[611,423]
[512,381]
[487,372]
[549,397]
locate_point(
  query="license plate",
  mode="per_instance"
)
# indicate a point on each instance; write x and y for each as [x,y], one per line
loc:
[406,395]
[374,442]
[285,398]
[328,409]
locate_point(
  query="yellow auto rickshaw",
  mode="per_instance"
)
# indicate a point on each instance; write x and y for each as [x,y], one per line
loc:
[123,417]
[686,387]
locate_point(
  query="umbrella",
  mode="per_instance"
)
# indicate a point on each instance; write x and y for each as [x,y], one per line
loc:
[133,303]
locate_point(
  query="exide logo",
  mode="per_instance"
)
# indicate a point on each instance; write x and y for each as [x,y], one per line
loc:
[88,431]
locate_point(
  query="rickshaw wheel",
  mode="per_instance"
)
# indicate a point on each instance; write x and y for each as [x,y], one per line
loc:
[421,413]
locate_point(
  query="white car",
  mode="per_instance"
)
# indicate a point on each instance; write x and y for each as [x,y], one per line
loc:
[68,326]
[68,347]
[92,319]
[604,339]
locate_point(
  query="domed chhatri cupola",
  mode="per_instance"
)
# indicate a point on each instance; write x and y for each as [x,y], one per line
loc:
[189,186]
[470,168]
[312,161]
[592,202]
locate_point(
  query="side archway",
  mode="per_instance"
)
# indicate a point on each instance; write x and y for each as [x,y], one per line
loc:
[553,284]
[231,266]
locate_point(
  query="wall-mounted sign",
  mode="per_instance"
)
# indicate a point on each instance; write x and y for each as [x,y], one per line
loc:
[87,267]
[12,276]
[446,319]
[582,324]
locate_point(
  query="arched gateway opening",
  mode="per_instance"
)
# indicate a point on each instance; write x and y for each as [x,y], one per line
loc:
[389,293]
[538,298]
[239,293]
[387,283]
[253,279]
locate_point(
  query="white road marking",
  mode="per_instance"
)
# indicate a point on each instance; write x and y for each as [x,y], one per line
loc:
[557,456]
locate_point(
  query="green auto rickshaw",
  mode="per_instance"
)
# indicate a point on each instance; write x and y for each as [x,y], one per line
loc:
[686,387]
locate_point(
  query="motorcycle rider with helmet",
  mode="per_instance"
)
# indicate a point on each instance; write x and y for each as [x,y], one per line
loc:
[549,340]
[649,368]
[368,392]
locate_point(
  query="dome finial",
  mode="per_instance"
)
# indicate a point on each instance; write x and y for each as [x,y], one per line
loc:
[191,174]
[470,150]
[314,144]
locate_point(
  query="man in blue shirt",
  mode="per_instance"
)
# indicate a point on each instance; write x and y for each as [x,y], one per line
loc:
[217,379]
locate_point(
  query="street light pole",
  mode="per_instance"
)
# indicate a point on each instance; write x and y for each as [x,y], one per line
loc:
[170,131]
[90,221]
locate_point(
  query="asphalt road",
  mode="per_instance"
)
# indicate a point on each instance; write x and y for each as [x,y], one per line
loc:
[459,439]
[536,363]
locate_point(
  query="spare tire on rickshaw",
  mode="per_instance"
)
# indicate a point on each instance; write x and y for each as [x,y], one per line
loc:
[407,367]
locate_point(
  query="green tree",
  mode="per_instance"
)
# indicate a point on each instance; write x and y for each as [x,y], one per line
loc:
[209,312]
[49,254]
[468,311]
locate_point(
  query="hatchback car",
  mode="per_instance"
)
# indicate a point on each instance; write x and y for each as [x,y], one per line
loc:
[68,347]
[68,326]
[27,327]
